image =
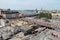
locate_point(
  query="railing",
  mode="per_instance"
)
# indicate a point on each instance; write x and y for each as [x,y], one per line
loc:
[48,24]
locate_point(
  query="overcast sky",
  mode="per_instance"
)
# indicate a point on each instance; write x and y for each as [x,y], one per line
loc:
[30,4]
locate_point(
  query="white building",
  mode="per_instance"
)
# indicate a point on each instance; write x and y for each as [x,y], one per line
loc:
[2,22]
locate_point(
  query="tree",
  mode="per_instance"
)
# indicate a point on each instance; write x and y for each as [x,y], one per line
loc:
[45,15]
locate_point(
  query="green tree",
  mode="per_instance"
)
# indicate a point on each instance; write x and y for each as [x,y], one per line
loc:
[45,15]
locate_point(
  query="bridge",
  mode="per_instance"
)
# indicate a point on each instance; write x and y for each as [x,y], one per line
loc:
[42,23]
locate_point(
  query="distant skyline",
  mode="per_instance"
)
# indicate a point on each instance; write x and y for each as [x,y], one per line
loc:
[30,4]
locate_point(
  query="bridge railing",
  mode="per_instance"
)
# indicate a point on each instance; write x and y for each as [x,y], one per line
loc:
[48,24]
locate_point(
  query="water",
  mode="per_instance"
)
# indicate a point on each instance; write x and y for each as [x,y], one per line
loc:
[25,12]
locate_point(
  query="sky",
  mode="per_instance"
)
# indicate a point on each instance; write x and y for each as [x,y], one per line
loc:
[30,4]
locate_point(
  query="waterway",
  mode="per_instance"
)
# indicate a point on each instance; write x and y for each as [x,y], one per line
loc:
[26,12]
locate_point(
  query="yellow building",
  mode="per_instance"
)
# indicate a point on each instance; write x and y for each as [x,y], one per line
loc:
[55,15]
[10,14]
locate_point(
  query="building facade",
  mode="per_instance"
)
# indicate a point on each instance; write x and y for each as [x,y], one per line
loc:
[10,14]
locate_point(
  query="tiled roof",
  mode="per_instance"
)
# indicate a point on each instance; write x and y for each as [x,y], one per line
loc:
[9,12]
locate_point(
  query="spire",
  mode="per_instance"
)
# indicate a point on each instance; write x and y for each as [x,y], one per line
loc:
[41,8]
[36,10]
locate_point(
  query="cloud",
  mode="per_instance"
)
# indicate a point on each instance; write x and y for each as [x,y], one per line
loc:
[29,4]
[15,2]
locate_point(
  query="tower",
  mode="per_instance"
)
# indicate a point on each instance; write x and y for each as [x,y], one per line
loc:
[36,11]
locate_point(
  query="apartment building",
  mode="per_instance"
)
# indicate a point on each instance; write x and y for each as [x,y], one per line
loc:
[10,13]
